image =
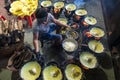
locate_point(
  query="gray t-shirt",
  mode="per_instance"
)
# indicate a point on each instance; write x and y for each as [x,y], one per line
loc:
[42,28]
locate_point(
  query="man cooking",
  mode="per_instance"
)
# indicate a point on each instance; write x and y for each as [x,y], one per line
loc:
[43,27]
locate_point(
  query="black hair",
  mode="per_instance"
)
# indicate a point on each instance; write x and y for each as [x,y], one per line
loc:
[41,13]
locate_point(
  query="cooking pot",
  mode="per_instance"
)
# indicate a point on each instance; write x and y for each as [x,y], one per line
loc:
[47,5]
[75,26]
[63,29]
[89,20]
[96,46]
[70,45]
[87,34]
[73,72]
[59,5]
[63,20]
[57,9]
[81,12]
[69,10]
[30,71]
[96,32]
[52,71]
[72,34]
[79,15]
[88,60]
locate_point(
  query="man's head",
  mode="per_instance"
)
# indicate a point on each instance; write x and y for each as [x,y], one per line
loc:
[41,14]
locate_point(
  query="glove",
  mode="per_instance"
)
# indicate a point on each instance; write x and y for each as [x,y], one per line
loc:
[40,58]
[38,55]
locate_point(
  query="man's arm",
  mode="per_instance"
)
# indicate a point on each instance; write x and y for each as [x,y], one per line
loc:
[36,42]
[51,17]
[60,23]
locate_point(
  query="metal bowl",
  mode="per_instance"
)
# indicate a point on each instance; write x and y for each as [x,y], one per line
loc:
[88,60]
[73,72]
[75,26]
[70,7]
[58,5]
[81,12]
[30,71]
[72,34]
[96,46]
[52,71]
[97,32]
[70,45]
[69,10]
[63,20]
[91,20]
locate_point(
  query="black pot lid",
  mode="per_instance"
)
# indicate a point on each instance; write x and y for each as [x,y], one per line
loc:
[52,72]
[30,71]
[73,72]
[46,3]
[96,46]
[90,20]
[70,7]
[97,32]
[81,12]
[88,60]
[59,5]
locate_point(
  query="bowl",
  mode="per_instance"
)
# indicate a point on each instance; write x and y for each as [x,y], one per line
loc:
[70,45]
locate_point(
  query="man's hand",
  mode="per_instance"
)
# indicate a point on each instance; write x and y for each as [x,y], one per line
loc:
[68,28]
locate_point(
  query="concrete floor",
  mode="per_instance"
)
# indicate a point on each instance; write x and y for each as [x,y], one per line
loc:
[93,7]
